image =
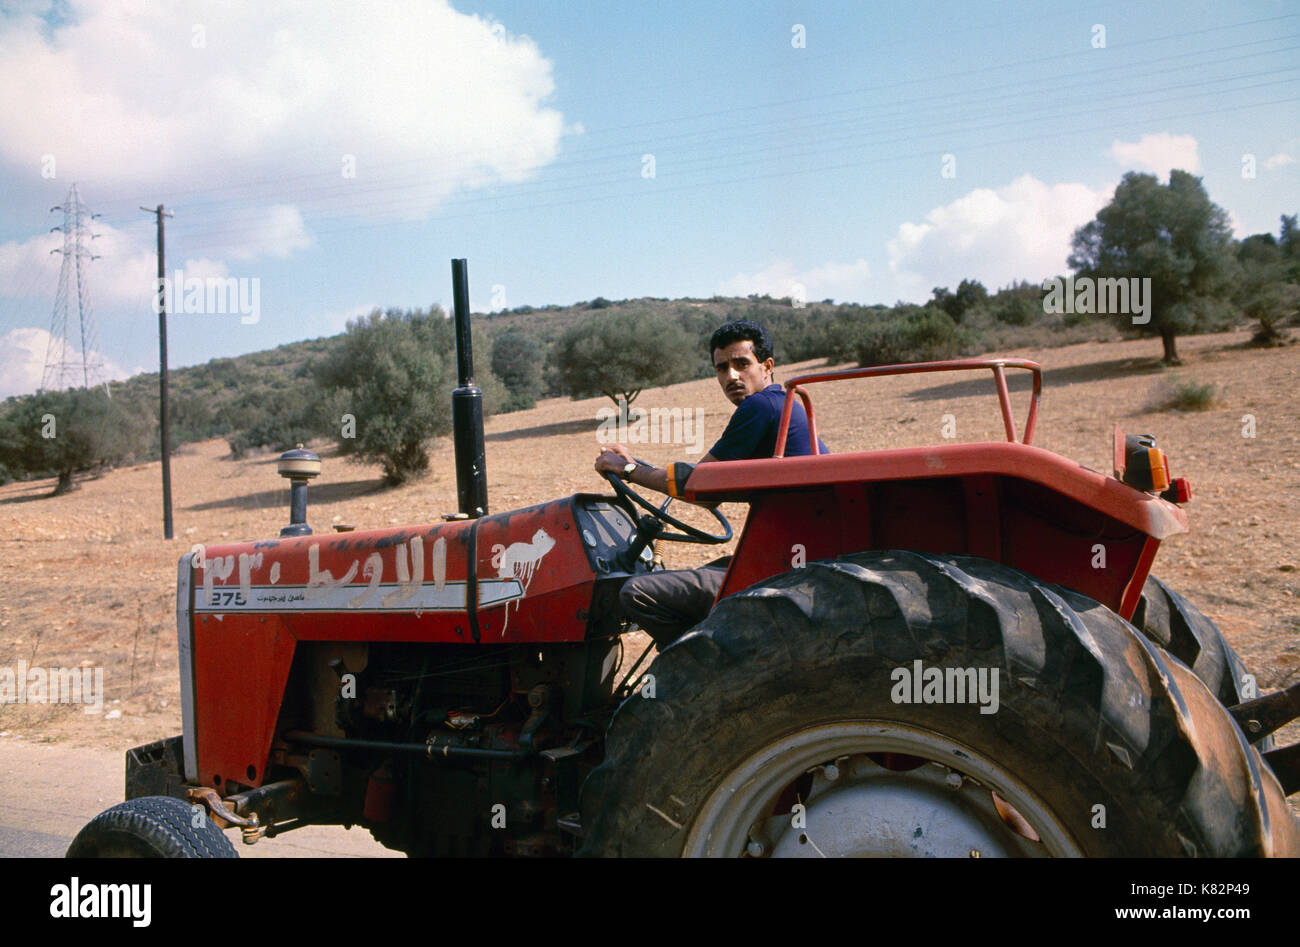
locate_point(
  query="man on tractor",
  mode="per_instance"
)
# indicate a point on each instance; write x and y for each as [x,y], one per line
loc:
[667,604]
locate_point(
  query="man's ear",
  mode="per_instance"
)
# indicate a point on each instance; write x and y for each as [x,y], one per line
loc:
[769,365]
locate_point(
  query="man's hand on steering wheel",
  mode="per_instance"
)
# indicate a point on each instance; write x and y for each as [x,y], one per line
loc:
[619,467]
[614,459]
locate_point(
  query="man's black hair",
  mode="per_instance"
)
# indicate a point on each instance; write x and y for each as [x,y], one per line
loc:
[739,331]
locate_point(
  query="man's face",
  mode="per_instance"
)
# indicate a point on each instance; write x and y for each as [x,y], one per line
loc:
[739,373]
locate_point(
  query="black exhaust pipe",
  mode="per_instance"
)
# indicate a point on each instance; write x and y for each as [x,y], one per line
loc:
[467,408]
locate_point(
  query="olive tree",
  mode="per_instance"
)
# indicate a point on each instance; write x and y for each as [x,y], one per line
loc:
[1172,234]
[65,433]
[388,385]
[620,354]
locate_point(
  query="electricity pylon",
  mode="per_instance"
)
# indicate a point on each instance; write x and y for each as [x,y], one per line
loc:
[73,359]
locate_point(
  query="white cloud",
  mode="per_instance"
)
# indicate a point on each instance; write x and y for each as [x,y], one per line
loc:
[123,274]
[277,232]
[1021,231]
[22,361]
[780,278]
[1159,153]
[28,269]
[1273,162]
[425,100]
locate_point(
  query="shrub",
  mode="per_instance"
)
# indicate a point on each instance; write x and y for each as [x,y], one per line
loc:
[497,398]
[923,335]
[1189,396]
[970,293]
[517,362]
[279,434]
[1272,305]
[1020,304]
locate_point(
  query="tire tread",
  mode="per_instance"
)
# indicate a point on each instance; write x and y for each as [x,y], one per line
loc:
[162,823]
[1146,727]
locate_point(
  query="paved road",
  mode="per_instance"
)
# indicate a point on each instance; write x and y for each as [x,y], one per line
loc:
[48,792]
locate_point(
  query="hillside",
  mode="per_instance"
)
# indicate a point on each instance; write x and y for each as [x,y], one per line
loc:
[226,396]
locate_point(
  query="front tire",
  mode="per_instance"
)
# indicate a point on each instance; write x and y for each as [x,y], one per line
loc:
[785,697]
[151,827]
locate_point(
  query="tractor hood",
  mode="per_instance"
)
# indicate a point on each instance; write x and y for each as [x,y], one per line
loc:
[463,581]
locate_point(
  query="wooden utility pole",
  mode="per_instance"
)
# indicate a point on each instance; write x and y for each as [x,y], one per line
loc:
[162,374]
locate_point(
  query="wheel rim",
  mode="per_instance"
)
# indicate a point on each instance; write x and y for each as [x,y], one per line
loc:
[955,803]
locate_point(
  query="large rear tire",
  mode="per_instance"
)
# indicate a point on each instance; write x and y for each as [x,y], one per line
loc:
[779,727]
[1179,627]
[151,827]
[1183,630]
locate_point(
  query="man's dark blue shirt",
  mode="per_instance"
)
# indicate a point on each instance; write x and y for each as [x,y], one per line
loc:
[751,433]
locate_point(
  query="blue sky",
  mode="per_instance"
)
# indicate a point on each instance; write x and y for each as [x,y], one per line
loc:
[341,154]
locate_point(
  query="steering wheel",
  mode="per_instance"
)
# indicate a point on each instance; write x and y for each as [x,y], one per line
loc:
[688,534]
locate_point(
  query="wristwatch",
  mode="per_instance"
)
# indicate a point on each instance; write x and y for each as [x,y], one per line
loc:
[628,469]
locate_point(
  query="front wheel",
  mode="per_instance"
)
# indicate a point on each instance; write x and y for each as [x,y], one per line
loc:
[899,703]
[152,827]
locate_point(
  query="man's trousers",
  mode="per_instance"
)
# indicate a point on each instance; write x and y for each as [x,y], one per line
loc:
[668,604]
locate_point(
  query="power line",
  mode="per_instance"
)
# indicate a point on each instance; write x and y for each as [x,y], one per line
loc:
[364,195]
[659,190]
[574,163]
[403,192]
[959,75]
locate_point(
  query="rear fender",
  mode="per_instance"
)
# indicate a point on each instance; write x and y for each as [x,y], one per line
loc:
[1011,503]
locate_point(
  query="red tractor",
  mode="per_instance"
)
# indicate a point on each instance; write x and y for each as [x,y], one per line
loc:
[953,650]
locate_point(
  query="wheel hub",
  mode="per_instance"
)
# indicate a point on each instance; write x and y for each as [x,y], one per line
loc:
[869,810]
[955,804]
